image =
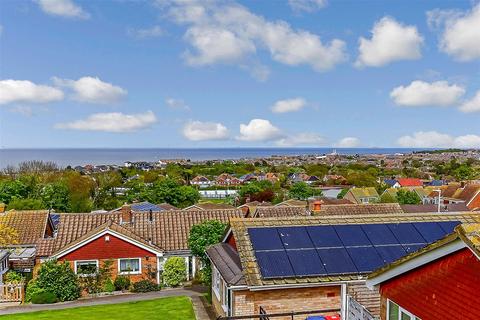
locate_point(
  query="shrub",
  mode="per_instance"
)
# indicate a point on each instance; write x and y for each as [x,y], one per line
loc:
[174,271]
[145,286]
[108,287]
[59,279]
[32,289]
[13,277]
[42,296]
[122,283]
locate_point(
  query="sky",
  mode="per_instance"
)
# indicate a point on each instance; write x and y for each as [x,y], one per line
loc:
[280,73]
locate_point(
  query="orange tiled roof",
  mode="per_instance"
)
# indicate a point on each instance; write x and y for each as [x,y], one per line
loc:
[30,224]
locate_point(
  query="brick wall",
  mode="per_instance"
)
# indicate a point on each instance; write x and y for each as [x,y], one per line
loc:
[287,300]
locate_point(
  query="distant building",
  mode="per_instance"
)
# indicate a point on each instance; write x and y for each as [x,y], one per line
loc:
[201,181]
[362,195]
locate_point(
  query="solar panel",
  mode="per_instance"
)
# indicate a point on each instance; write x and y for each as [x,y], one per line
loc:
[324,236]
[274,264]
[448,226]
[409,248]
[390,253]
[379,234]
[366,259]
[336,261]
[145,206]
[295,238]
[352,235]
[406,233]
[306,262]
[430,231]
[265,239]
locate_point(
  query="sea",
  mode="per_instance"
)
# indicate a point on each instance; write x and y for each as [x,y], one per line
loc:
[76,157]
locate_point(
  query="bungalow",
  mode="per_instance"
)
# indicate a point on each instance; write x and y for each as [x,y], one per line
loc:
[226,179]
[362,195]
[138,242]
[409,182]
[248,178]
[314,263]
[392,183]
[201,181]
[469,194]
[440,281]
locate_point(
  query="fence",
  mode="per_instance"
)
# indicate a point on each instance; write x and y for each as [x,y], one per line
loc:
[284,315]
[356,311]
[11,292]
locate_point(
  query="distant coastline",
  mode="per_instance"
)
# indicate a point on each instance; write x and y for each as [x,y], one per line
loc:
[117,156]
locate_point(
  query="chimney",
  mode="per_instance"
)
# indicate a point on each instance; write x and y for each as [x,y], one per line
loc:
[127,215]
[317,206]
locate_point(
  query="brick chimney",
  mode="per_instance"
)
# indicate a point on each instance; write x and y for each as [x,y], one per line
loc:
[126,213]
[317,206]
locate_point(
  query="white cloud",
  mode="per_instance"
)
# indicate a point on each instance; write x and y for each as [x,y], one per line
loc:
[112,122]
[63,8]
[289,105]
[178,104]
[420,93]
[198,131]
[306,5]
[301,139]
[92,90]
[26,91]
[259,130]
[155,31]
[348,142]
[391,41]
[461,34]
[433,139]
[472,105]
[229,33]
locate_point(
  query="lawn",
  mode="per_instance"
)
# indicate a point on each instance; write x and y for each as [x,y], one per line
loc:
[171,308]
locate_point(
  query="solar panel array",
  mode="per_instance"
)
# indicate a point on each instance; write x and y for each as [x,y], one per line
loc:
[145,206]
[283,252]
[55,219]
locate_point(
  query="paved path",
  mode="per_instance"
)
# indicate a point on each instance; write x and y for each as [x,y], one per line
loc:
[194,293]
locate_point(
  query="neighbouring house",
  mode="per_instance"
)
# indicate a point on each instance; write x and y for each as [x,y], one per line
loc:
[167,206]
[226,179]
[359,209]
[468,194]
[392,183]
[332,191]
[3,263]
[138,242]
[313,263]
[320,201]
[422,192]
[435,183]
[201,182]
[30,225]
[142,206]
[252,205]
[362,195]
[292,203]
[440,281]
[452,207]
[248,178]
[209,206]
[217,194]
[298,177]
[276,212]
[409,182]
[312,180]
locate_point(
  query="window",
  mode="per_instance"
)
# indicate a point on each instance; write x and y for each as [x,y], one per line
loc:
[129,266]
[395,312]
[216,281]
[86,268]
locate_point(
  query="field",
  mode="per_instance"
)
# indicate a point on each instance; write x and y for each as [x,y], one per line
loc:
[171,308]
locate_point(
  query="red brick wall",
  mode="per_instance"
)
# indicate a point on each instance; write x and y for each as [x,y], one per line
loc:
[113,249]
[444,289]
[287,300]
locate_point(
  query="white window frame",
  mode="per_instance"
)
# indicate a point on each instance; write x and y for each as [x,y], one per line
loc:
[216,282]
[130,272]
[400,311]
[75,267]
[224,300]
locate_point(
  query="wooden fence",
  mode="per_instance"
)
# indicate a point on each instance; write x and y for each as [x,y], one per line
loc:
[11,292]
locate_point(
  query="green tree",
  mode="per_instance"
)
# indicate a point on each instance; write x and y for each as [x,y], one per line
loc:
[10,189]
[59,279]
[302,191]
[408,197]
[174,271]
[387,198]
[170,191]
[26,204]
[55,196]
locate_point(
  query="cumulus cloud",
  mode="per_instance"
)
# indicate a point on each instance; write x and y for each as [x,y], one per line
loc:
[226,32]
[461,34]
[306,5]
[92,90]
[155,31]
[199,131]
[472,105]
[434,139]
[63,8]
[259,130]
[391,41]
[348,142]
[420,93]
[12,91]
[301,139]
[116,122]
[289,105]
[178,104]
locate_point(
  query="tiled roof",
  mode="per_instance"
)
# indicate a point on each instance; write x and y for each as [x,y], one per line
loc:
[292,203]
[410,182]
[167,206]
[29,224]
[251,269]
[360,209]
[329,201]
[469,192]
[168,230]
[271,212]
[210,206]
[366,192]
[416,208]
[227,261]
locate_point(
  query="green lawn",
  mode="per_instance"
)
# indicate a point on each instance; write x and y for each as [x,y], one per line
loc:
[171,308]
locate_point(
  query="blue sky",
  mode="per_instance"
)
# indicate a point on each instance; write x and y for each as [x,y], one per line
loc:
[247,73]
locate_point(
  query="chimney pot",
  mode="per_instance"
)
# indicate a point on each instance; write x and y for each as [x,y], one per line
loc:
[317,206]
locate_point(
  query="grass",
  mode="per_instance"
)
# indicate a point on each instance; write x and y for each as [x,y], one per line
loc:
[171,308]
